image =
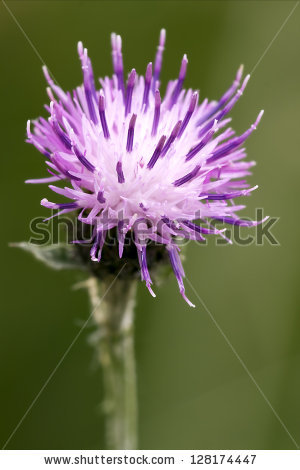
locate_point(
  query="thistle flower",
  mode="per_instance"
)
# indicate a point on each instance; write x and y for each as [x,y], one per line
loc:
[161,162]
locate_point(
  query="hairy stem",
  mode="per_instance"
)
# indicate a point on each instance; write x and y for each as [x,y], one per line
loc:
[113,307]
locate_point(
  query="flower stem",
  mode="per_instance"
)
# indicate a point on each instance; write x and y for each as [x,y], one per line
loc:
[113,306]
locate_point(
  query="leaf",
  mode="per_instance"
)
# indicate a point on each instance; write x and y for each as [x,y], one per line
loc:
[58,256]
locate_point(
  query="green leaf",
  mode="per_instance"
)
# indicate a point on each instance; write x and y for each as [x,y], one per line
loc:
[58,256]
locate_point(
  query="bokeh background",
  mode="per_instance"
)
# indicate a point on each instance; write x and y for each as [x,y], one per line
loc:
[193,391]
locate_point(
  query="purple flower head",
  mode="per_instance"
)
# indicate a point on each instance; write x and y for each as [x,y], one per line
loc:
[160,161]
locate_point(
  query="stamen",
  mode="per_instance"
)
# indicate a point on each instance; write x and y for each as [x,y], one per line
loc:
[98,245]
[130,85]
[234,143]
[198,228]
[172,137]
[120,173]
[89,100]
[62,206]
[33,140]
[189,113]
[144,269]
[120,65]
[55,158]
[178,271]
[158,58]
[148,78]
[92,79]
[72,177]
[156,113]
[227,108]
[130,134]
[201,144]
[88,82]
[83,160]
[226,196]
[241,222]
[178,87]
[156,152]
[59,92]
[60,134]
[117,58]
[113,38]
[102,115]
[121,237]
[224,98]
[238,94]
[67,205]
[100,197]
[187,177]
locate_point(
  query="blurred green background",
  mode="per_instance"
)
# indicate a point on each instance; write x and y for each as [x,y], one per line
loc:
[193,391]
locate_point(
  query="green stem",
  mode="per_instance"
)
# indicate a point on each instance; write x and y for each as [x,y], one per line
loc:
[113,306]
